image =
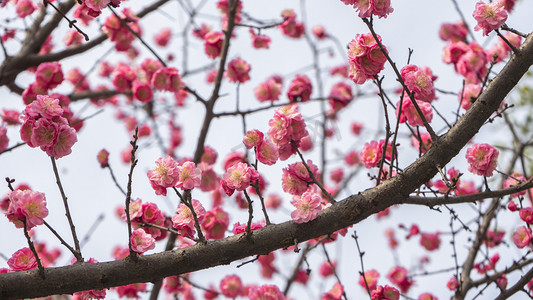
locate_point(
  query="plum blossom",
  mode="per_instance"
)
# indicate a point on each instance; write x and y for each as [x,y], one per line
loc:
[267,153]
[269,90]
[141,241]
[482,159]
[429,241]
[308,205]
[335,293]
[253,138]
[515,179]
[371,154]
[259,41]
[371,277]
[213,44]
[522,237]
[365,58]
[189,176]
[410,114]
[27,207]
[238,177]
[398,276]
[215,223]
[22,260]
[290,27]
[238,70]
[300,89]
[489,16]
[469,95]
[184,220]
[287,126]
[419,81]
[266,291]
[164,175]
[385,293]
[231,286]
[367,8]
[167,79]
[4,140]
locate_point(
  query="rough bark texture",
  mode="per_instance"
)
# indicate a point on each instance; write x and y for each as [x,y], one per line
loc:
[149,268]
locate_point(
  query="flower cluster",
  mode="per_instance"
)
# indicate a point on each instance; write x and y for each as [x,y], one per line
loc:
[168,173]
[296,179]
[410,114]
[26,207]
[266,291]
[287,126]
[367,8]
[469,60]
[462,187]
[365,58]
[183,220]
[489,16]
[398,276]
[213,42]
[266,152]
[45,127]
[482,159]
[145,213]
[290,27]
[385,292]
[167,79]
[120,34]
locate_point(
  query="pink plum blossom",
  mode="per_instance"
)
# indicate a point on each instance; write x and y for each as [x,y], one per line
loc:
[340,96]
[259,41]
[398,276]
[184,219]
[96,5]
[231,286]
[267,153]
[385,293]
[4,140]
[429,241]
[238,177]
[163,37]
[482,159]
[266,291]
[371,154]
[419,81]
[213,44]
[22,260]
[238,70]
[290,27]
[164,175]
[335,293]
[469,95]
[189,176]
[253,138]
[489,16]
[410,114]
[308,205]
[522,237]
[25,8]
[269,90]
[526,214]
[141,241]
[167,79]
[365,58]
[367,8]
[513,180]
[371,277]
[27,207]
[215,223]
[300,89]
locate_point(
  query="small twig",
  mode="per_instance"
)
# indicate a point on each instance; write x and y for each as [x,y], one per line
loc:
[250,214]
[128,194]
[32,248]
[115,179]
[354,236]
[315,181]
[77,253]
[60,238]
[71,23]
